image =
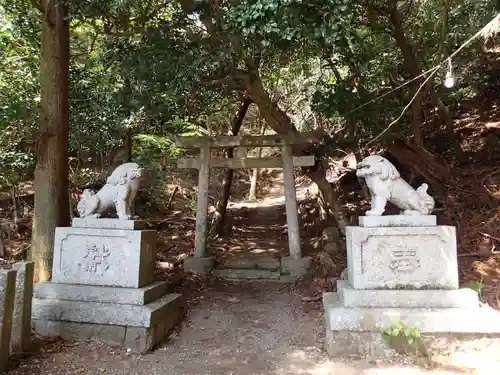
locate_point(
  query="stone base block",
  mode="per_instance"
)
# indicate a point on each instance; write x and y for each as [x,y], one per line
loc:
[105,313]
[295,267]
[7,295]
[429,320]
[245,274]
[138,339]
[353,344]
[199,266]
[105,257]
[103,223]
[256,262]
[402,257]
[358,330]
[102,294]
[406,298]
[398,221]
[140,328]
[21,321]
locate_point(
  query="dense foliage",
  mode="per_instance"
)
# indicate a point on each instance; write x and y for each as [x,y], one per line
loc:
[149,70]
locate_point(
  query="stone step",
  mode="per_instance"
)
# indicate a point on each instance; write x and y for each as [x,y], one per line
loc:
[246,274]
[251,263]
[138,328]
[356,331]
[106,313]
[457,298]
[102,294]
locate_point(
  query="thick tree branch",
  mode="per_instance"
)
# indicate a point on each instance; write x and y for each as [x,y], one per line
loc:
[36,4]
[220,211]
[220,82]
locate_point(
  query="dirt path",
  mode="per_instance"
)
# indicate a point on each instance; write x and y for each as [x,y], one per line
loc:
[237,328]
[259,227]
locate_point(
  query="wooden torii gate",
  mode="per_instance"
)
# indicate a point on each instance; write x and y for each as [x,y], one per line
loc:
[201,263]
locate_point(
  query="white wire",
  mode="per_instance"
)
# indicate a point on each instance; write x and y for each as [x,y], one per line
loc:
[433,70]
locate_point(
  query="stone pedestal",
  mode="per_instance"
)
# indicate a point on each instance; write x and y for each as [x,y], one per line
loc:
[21,321]
[7,296]
[402,257]
[402,269]
[199,266]
[295,267]
[103,287]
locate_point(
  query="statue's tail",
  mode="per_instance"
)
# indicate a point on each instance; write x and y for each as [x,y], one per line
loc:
[428,201]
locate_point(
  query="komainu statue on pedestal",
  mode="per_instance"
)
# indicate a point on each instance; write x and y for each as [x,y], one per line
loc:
[386,185]
[119,193]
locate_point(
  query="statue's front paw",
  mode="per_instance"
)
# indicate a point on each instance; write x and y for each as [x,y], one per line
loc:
[125,217]
[372,213]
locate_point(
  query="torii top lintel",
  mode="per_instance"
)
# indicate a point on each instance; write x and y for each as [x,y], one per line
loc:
[250,140]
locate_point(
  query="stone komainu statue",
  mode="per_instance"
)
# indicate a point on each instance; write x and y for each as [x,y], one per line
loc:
[386,185]
[119,192]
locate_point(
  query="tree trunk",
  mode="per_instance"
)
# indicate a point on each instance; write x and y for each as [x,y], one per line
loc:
[279,121]
[428,165]
[417,120]
[413,66]
[128,142]
[127,136]
[221,206]
[252,193]
[51,172]
[15,207]
[318,175]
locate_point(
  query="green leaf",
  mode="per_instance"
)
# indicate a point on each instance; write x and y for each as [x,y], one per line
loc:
[407,331]
[475,285]
[395,331]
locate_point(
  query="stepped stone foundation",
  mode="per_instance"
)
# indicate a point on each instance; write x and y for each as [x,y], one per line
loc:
[103,286]
[403,269]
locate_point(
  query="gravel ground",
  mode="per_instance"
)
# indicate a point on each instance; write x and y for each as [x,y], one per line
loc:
[236,328]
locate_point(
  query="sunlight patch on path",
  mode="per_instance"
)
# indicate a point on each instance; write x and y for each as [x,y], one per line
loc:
[312,361]
[276,197]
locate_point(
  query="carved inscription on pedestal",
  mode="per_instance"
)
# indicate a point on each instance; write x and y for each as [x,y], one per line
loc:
[106,257]
[401,254]
[404,260]
[399,261]
[95,260]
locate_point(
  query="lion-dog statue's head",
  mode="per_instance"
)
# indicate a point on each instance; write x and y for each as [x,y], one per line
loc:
[377,166]
[88,203]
